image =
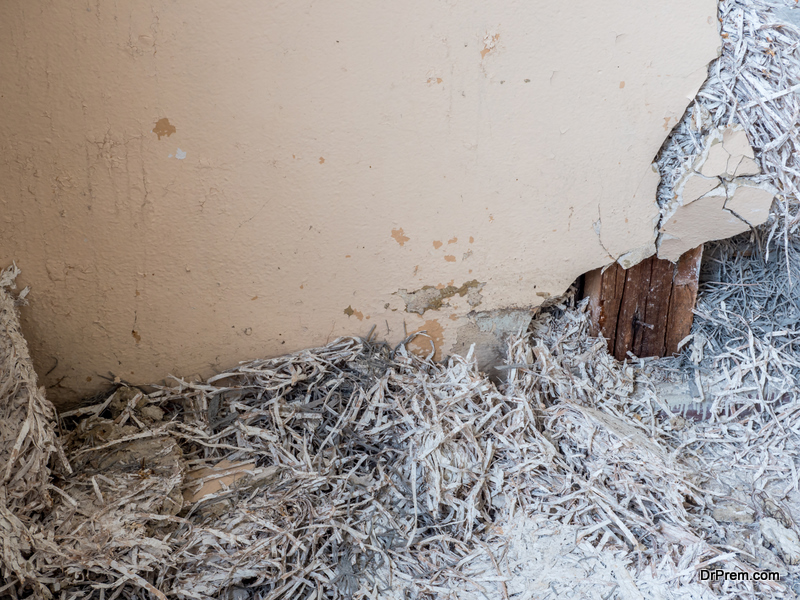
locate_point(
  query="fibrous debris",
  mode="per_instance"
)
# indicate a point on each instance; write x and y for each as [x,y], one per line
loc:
[358,471]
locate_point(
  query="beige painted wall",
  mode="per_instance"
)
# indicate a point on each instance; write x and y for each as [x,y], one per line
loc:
[324,157]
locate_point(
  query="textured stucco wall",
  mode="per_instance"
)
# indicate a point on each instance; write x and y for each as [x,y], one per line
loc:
[328,161]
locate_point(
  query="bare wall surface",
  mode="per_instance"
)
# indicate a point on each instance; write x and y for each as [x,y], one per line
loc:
[186,185]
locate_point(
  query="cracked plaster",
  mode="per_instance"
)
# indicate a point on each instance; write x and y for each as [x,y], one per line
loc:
[716,198]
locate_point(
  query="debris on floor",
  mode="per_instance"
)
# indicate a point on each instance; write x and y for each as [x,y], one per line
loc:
[362,471]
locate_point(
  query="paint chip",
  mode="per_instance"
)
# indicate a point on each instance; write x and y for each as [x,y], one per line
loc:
[180,154]
[452,241]
[350,311]
[450,258]
[489,43]
[164,127]
[399,236]
[437,244]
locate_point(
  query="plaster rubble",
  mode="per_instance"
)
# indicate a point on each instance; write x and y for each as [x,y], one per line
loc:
[716,197]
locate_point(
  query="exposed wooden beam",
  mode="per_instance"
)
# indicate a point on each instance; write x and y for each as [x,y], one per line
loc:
[646,310]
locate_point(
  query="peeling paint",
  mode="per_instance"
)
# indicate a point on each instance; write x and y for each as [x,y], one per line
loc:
[399,236]
[437,244]
[164,128]
[489,43]
[431,298]
[421,345]
[350,312]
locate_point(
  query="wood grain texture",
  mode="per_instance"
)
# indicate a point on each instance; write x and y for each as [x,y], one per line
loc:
[684,296]
[646,310]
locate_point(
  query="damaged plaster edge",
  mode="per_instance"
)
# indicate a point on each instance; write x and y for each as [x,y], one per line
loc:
[642,201]
[728,210]
[431,297]
[637,255]
[712,177]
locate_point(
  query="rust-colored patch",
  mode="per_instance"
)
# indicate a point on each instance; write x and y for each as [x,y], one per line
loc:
[164,127]
[450,258]
[437,244]
[421,345]
[136,336]
[452,240]
[321,160]
[254,298]
[350,312]
[399,236]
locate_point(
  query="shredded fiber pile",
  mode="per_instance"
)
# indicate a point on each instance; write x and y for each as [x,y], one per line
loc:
[360,471]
